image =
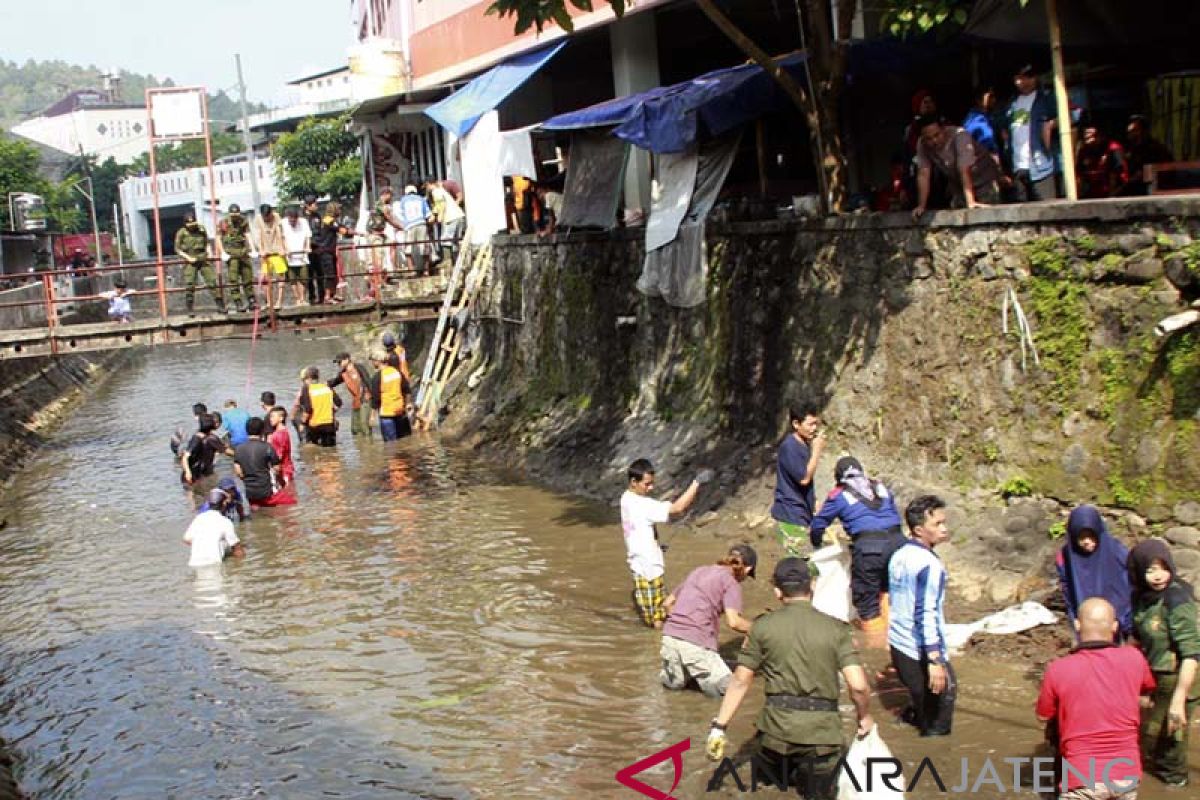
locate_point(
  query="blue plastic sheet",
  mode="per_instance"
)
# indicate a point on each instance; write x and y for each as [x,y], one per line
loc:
[459,112]
[668,119]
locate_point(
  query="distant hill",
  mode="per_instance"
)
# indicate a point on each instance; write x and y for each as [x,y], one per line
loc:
[26,89]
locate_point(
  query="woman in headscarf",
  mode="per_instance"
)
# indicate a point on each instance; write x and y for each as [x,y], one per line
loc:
[1164,621]
[869,516]
[1093,564]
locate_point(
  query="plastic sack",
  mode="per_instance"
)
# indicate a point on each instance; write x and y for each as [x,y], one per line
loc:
[860,781]
[1013,619]
[831,589]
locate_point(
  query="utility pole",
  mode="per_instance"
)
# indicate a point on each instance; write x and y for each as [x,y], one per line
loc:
[250,165]
[90,194]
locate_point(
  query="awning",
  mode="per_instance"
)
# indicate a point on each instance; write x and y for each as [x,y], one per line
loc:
[459,112]
[392,103]
[667,119]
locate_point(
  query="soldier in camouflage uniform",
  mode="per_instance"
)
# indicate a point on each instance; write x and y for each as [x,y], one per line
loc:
[235,242]
[191,244]
[377,224]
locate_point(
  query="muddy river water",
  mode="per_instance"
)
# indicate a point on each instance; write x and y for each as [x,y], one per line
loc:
[419,625]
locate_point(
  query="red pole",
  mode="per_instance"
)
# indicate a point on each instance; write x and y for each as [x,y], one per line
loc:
[160,270]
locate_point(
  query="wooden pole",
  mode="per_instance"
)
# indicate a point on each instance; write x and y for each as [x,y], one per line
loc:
[760,147]
[1064,107]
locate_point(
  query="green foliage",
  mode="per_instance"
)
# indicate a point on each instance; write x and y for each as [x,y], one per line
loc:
[320,158]
[1127,495]
[1181,354]
[20,163]
[1016,486]
[914,17]
[186,154]
[536,13]
[1057,530]
[1063,322]
[991,452]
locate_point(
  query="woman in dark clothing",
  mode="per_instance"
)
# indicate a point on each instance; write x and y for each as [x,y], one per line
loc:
[1164,621]
[1093,564]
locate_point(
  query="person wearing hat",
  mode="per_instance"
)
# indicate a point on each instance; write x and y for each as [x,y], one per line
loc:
[211,535]
[319,403]
[119,307]
[694,610]
[412,212]
[393,347]
[357,380]
[1030,123]
[800,653]
[870,518]
[191,244]
[232,505]
[234,241]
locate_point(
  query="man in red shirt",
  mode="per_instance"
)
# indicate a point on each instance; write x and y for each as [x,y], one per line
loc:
[1093,695]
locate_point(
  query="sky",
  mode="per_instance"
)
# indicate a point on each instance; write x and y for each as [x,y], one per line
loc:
[192,43]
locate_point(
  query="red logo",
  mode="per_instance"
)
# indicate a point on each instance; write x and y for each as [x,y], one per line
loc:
[674,752]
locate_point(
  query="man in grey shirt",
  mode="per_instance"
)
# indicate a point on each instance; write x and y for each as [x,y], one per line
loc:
[971,171]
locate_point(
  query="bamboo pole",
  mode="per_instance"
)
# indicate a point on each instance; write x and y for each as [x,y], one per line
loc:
[1064,107]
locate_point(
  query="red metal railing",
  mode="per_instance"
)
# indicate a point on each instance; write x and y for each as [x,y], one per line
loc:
[381,262]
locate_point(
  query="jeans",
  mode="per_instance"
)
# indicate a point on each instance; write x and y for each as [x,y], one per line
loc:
[393,428]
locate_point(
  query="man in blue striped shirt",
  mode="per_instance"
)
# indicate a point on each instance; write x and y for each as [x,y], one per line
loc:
[916,632]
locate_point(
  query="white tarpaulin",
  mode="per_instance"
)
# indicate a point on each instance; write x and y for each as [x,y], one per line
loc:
[1013,619]
[831,589]
[516,153]
[676,179]
[177,113]
[483,182]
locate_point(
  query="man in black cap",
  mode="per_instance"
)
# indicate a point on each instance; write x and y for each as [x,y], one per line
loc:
[1030,124]
[800,652]
[694,609]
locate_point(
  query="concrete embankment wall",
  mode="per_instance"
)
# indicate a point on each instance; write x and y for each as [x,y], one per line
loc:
[896,329]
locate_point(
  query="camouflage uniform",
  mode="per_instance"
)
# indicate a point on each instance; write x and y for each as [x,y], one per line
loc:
[377,236]
[192,240]
[235,240]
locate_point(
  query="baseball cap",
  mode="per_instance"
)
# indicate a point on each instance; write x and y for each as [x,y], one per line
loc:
[792,571]
[227,484]
[389,340]
[749,557]
[216,498]
[410,189]
[340,357]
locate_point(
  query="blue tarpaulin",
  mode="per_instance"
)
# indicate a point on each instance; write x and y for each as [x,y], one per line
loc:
[459,112]
[667,119]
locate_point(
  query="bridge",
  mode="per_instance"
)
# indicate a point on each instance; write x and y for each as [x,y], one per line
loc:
[56,312]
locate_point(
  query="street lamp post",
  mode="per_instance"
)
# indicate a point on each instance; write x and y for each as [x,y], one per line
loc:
[91,198]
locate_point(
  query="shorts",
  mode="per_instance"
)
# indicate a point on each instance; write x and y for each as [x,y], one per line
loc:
[276,265]
[792,537]
[648,596]
[682,660]
[298,273]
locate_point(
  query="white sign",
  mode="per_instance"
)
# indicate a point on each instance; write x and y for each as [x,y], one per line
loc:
[177,113]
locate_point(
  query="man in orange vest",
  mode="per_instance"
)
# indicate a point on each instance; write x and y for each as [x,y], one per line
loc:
[356,378]
[318,403]
[389,396]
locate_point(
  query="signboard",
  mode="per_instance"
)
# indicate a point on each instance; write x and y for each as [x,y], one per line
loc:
[176,113]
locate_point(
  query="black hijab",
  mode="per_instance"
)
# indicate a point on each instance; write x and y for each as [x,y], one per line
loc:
[1140,558]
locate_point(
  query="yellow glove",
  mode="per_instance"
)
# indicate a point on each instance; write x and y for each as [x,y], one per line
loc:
[714,748]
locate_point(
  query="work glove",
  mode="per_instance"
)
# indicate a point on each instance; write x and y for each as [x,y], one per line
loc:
[225,257]
[714,748]
[705,476]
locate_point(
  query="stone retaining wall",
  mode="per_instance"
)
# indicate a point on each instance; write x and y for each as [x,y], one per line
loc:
[896,329]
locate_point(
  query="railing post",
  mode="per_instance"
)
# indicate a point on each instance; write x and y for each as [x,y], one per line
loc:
[51,314]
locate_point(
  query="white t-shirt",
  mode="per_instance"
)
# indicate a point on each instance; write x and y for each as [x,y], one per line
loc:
[211,536]
[451,210]
[638,517]
[1019,129]
[295,240]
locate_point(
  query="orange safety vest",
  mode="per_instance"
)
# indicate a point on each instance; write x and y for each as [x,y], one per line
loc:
[320,397]
[391,392]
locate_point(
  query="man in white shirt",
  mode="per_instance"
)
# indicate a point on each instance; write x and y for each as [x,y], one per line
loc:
[296,239]
[639,514]
[211,534]
[449,216]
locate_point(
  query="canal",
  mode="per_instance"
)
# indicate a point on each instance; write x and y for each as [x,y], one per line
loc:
[421,624]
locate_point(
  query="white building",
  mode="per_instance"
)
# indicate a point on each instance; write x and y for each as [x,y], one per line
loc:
[91,119]
[324,94]
[187,190]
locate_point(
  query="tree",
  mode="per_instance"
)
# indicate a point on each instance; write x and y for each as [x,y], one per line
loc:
[819,96]
[186,154]
[19,164]
[321,158]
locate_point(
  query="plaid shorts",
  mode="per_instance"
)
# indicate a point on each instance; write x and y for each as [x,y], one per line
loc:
[648,596]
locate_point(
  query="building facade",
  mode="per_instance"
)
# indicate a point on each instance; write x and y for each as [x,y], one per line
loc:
[91,120]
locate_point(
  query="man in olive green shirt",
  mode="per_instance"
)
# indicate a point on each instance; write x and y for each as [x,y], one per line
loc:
[799,652]
[191,244]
